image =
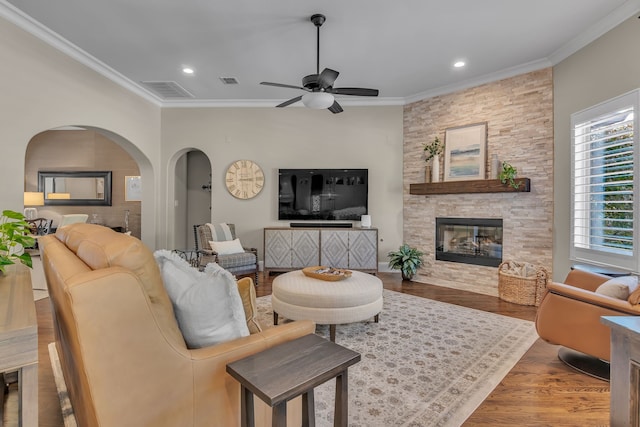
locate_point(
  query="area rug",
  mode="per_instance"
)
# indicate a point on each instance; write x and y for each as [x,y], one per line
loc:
[426,363]
[65,403]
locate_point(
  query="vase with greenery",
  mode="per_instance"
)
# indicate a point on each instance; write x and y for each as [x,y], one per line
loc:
[508,175]
[432,152]
[407,260]
[15,235]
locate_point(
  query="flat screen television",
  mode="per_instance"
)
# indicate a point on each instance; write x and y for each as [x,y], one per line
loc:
[322,194]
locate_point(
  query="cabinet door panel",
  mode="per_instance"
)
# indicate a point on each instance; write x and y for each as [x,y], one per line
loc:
[277,249]
[334,248]
[304,248]
[363,249]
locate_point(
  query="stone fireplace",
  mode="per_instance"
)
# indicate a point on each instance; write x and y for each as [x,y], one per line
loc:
[469,240]
[519,116]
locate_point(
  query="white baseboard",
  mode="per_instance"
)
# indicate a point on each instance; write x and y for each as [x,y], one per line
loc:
[383,267]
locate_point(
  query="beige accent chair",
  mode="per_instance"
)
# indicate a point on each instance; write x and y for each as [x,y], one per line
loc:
[122,354]
[569,315]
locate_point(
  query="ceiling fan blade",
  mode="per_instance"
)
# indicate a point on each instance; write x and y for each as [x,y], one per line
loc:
[283,85]
[356,91]
[291,101]
[335,108]
[327,77]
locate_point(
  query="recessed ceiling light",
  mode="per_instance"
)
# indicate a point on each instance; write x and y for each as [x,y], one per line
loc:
[459,64]
[188,70]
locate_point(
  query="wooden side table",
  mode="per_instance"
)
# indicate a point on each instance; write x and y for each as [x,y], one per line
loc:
[291,369]
[625,370]
[19,338]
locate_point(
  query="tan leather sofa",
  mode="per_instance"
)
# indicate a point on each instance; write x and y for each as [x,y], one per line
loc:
[569,314]
[123,357]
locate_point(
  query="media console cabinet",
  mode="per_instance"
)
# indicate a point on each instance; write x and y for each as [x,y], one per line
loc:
[293,248]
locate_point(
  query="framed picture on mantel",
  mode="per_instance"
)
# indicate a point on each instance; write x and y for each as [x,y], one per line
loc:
[465,152]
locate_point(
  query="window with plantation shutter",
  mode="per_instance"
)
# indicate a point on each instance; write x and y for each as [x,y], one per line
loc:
[604,190]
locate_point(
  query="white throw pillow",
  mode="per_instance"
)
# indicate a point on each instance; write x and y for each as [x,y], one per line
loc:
[207,304]
[618,287]
[227,248]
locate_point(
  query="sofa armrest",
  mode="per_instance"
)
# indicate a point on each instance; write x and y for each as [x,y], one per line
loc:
[255,342]
[593,298]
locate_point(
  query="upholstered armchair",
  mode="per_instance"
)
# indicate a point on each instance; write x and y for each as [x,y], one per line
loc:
[228,254]
[570,312]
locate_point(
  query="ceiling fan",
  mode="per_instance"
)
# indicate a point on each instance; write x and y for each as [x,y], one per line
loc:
[320,85]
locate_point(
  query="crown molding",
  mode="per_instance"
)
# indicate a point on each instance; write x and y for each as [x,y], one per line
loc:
[609,22]
[28,24]
[477,81]
[270,103]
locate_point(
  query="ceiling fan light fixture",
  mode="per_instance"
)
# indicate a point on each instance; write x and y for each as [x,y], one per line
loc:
[318,100]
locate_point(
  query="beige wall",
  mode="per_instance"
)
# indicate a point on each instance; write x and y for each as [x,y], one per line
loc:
[360,137]
[84,150]
[44,89]
[519,117]
[608,67]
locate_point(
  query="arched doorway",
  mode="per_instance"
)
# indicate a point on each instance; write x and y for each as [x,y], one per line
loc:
[192,196]
[76,149]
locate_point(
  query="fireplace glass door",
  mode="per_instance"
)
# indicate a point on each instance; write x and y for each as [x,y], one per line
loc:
[469,240]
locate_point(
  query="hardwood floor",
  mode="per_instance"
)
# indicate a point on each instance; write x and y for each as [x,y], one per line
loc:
[539,391]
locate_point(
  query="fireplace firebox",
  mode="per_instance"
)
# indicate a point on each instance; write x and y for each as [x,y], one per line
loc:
[469,240]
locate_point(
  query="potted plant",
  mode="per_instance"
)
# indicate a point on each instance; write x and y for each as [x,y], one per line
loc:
[407,260]
[14,237]
[508,175]
[432,151]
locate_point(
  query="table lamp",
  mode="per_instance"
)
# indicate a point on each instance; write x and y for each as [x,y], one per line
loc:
[32,198]
[58,196]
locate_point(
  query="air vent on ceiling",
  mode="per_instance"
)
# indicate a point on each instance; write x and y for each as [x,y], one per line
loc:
[229,80]
[167,89]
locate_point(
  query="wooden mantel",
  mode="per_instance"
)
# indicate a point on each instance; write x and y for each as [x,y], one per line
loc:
[474,186]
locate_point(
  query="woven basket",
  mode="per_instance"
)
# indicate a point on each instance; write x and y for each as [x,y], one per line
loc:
[519,289]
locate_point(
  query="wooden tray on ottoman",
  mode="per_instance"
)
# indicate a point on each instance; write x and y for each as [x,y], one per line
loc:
[329,274]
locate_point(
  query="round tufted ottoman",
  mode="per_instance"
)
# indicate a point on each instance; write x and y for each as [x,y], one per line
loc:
[354,299]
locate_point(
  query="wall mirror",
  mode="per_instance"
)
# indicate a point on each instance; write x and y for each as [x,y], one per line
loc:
[75,188]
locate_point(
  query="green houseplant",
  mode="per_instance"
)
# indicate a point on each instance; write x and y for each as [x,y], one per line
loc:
[14,237]
[433,149]
[508,175]
[407,260]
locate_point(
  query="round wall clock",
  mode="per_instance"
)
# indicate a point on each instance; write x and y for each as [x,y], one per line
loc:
[244,179]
